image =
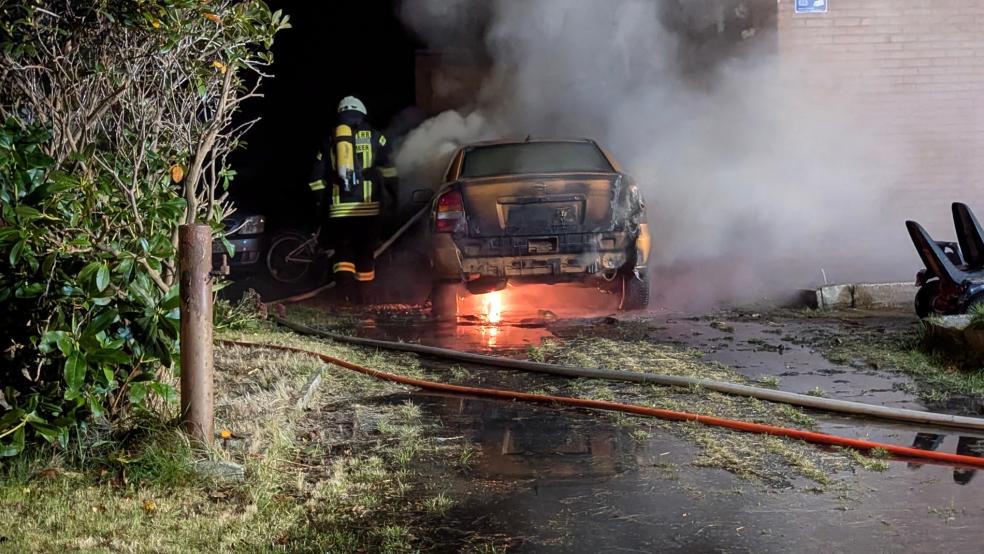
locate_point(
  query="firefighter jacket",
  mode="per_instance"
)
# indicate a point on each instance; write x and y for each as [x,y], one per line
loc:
[352,167]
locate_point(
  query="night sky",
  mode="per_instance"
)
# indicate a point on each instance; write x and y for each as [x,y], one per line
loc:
[332,50]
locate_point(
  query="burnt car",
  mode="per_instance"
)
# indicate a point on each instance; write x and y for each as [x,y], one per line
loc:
[245,232]
[537,211]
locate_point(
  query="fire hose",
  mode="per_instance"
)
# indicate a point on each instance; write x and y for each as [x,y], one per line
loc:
[802,400]
[826,404]
[672,415]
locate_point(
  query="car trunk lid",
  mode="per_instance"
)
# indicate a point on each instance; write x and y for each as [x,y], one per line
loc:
[539,205]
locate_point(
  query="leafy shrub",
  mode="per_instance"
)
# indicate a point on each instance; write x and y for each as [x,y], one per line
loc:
[89,332]
[117,117]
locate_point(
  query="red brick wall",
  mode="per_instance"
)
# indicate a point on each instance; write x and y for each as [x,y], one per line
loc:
[915,72]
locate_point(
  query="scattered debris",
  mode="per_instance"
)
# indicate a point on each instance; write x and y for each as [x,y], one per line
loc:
[219,470]
[722,326]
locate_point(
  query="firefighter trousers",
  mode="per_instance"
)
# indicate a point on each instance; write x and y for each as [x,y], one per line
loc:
[354,240]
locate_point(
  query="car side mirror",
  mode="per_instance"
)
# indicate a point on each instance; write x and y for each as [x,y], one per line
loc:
[421,196]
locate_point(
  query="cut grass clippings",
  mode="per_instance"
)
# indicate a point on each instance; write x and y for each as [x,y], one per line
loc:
[771,459]
[888,342]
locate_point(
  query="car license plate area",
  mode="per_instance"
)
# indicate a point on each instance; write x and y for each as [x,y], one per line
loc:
[534,215]
[544,245]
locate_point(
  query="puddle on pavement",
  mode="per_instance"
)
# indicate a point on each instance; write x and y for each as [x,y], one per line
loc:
[509,338]
[526,314]
[570,481]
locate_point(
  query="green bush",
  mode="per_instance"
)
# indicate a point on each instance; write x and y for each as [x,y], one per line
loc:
[117,118]
[89,333]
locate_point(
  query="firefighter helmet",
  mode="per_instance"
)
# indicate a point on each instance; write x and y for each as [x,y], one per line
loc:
[351,103]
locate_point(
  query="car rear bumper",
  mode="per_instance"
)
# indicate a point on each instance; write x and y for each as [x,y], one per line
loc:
[247,252]
[587,264]
[561,258]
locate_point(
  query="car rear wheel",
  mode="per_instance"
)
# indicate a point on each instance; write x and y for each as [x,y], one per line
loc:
[926,299]
[635,291]
[444,300]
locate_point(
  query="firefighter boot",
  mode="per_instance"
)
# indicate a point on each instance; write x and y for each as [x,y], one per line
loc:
[346,289]
[365,293]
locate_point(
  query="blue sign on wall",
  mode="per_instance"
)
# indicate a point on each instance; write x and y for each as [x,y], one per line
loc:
[811,6]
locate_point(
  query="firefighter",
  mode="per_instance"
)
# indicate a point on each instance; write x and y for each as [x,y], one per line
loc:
[353,170]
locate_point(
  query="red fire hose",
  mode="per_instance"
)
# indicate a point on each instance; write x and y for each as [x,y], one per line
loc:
[809,436]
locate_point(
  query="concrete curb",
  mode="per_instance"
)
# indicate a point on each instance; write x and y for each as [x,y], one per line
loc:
[885,295]
[954,334]
[866,296]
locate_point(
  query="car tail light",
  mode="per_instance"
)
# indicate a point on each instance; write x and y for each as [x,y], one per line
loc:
[450,210]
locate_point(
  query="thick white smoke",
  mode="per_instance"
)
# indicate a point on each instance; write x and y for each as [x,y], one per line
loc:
[429,146]
[755,180]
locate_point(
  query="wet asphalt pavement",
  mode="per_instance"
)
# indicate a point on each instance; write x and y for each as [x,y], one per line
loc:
[564,480]
[575,483]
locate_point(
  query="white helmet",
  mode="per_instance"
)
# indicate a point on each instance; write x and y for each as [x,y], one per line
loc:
[351,103]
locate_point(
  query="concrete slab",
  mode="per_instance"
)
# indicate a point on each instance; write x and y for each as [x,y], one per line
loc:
[872,296]
[219,470]
[832,297]
[884,295]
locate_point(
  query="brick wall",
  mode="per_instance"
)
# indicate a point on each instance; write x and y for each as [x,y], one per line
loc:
[447,80]
[915,72]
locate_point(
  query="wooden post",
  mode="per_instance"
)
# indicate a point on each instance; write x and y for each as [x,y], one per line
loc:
[197,386]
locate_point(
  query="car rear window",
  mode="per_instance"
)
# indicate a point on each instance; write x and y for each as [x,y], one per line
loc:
[533,157]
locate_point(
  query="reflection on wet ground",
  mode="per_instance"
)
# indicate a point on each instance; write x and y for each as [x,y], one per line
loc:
[968,446]
[509,338]
[569,481]
[574,482]
[527,312]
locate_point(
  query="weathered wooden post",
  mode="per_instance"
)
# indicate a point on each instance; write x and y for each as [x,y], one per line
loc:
[197,386]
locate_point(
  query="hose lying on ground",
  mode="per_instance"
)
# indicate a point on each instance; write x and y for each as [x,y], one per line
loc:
[378,252]
[803,400]
[809,436]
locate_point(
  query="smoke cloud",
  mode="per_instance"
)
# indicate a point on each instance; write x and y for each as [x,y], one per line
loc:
[756,181]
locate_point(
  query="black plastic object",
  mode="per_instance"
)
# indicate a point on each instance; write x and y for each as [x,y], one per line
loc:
[932,255]
[485,285]
[969,235]
[953,280]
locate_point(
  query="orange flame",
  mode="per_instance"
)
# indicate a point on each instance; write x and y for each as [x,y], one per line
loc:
[493,307]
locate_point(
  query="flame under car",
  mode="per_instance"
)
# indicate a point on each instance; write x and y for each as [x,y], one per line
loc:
[544,211]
